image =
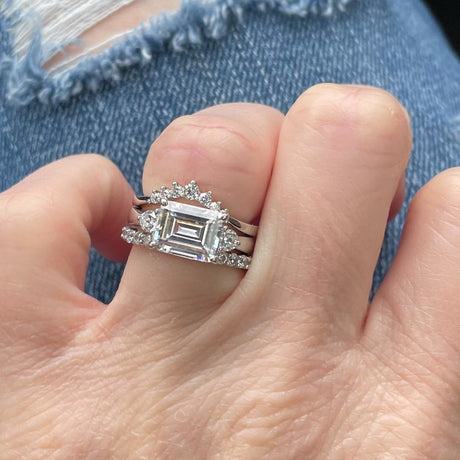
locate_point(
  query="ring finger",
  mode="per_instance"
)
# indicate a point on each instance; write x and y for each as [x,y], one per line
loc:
[229,150]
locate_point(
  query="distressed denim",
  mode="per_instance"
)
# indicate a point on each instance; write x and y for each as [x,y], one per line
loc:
[266,51]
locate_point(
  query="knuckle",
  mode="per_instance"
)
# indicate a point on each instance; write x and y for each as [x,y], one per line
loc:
[372,114]
[94,166]
[106,170]
[205,145]
[95,161]
[23,215]
[25,205]
[198,130]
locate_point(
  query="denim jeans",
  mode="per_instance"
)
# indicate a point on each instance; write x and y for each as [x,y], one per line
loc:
[265,51]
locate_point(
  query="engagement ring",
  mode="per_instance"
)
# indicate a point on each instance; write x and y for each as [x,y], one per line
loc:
[205,233]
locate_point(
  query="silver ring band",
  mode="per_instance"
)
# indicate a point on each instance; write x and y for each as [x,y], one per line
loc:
[205,233]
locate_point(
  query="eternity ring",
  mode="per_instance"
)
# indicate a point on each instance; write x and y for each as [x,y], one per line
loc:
[204,233]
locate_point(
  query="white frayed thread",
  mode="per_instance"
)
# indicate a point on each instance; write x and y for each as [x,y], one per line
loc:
[61,21]
[195,22]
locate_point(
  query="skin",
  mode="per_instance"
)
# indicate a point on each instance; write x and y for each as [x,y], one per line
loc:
[194,361]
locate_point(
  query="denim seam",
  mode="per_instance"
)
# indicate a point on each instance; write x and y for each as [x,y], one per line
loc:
[193,24]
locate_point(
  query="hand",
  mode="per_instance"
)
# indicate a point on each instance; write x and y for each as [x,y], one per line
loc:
[194,360]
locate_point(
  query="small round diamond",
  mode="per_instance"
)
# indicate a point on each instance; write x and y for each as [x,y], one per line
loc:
[205,199]
[128,235]
[215,205]
[192,191]
[243,262]
[229,240]
[224,214]
[222,258]
[165,194]
[138,238]
[147,220]
[233,259]
[155,197]
[177,190]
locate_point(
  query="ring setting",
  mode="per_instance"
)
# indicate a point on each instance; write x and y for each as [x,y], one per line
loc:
[204,232]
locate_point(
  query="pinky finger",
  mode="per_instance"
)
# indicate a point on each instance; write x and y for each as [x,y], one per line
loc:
[420,296]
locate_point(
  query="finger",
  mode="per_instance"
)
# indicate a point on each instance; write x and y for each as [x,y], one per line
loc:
[419,297]
[398,199]
[342,153]
[229,150]
[48,221]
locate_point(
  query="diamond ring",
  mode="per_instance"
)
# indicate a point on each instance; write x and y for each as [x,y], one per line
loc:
[206,233]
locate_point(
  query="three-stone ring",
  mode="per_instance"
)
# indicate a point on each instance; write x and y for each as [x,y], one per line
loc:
[205,233]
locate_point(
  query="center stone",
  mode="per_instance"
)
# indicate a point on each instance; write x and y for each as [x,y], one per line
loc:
[188,231]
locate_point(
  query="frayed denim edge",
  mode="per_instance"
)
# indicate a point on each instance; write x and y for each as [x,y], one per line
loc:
[191,25]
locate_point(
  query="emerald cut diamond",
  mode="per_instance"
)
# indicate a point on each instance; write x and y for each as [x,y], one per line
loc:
[188,231]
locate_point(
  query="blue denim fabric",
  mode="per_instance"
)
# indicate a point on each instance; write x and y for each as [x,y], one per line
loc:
[270,57]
